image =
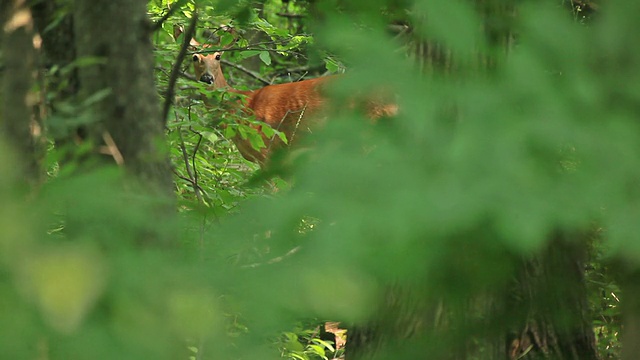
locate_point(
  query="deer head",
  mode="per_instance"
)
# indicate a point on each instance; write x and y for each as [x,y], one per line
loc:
[206,65]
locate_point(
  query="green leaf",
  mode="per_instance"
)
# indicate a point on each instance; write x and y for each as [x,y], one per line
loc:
[332,65]
[243,132]
[323,343]
[96,97]
[268,130]
[292,343]
[229,132]
[210,136]
[282,136]
[265,57]
[249,53]
[257,142]
[226,39]
[317,349]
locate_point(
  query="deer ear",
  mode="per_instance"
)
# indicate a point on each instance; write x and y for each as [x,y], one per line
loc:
[193,45]
[177,31]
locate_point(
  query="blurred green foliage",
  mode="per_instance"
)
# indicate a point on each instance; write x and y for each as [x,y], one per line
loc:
[477,167]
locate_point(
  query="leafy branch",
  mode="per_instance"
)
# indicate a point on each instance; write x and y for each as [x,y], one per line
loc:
[251,47]
[158,25]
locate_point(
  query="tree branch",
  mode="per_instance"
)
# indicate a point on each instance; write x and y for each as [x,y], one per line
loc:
[291,16]
[244,48]
[193,160]
[193,179]
[319,68]
[248,72]
[175,71]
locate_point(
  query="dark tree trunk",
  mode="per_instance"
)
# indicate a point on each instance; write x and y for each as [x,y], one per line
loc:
[630,310]
[57,44]
[117,94]
[127,116]
[549,306]
[18,125]
[58,50]
[403,316]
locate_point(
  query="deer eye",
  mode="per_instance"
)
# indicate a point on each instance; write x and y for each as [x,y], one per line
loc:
[195,58]
[217,56]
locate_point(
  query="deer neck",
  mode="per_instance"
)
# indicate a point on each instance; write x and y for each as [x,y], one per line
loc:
[220,82]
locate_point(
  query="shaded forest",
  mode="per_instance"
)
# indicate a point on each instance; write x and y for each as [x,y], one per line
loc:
[364,179]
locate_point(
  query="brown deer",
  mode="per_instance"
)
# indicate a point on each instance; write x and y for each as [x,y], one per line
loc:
[288,108]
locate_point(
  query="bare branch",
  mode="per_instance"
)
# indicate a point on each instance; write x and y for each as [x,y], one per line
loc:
[190,167]
[292,16]
[111,148]
[193,158]
[255,46]
[274,260]
[248,72]
[175,72]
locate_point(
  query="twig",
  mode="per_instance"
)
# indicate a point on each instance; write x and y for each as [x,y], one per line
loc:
[398,29]
[248,72]
[190,181]
[302,76]
[188,76]
[274,260]
[290,15]
[193,157]
[226,165]
[175,71]
[190,167]
[111,148]
[193,179]
[305,69]
[178,4]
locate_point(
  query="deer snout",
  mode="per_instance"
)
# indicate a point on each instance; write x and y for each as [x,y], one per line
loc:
[206,78]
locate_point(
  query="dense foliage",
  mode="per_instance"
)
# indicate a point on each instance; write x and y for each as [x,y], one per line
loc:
[498,146]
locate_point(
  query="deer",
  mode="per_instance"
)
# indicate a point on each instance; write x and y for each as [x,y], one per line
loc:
[289,108]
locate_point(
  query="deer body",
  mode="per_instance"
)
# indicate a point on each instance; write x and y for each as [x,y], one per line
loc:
[286,108]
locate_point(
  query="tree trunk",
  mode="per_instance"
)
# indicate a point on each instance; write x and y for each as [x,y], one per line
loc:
[630,310]
[547,316]
[549,306]
[127,117]
[58,50]
[18,125]
[118,95]
[57,44]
